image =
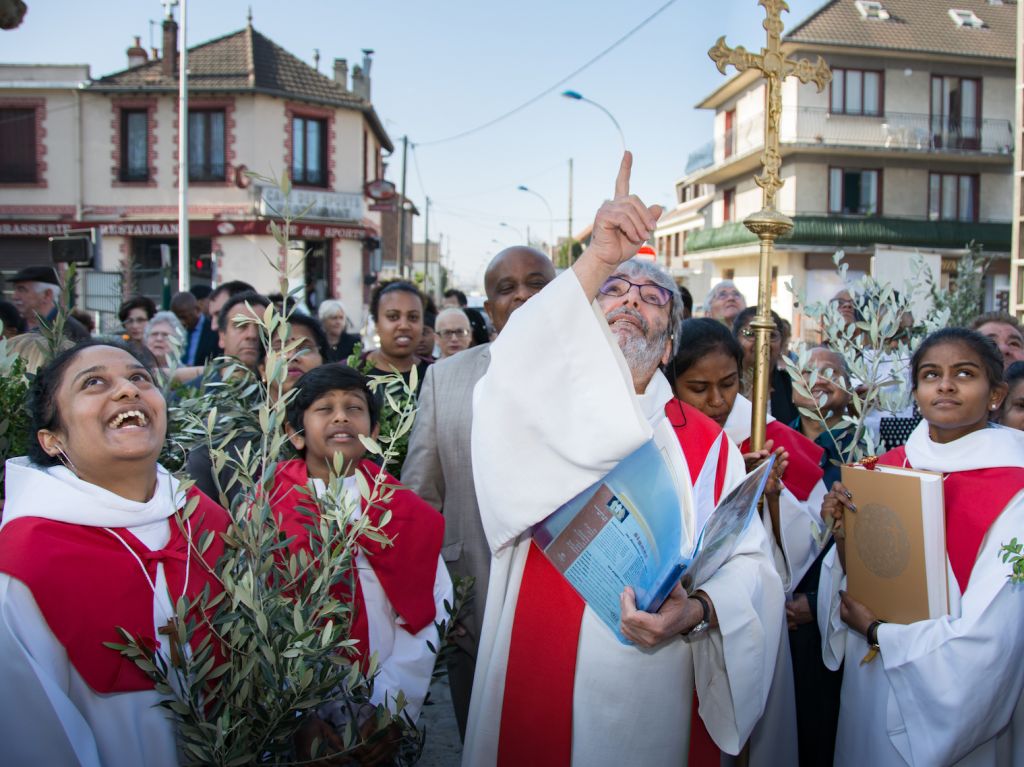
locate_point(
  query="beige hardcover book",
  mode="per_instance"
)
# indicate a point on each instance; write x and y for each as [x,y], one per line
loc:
[896,543]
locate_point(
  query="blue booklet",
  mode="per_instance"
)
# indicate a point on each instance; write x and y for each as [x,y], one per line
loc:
[626,530]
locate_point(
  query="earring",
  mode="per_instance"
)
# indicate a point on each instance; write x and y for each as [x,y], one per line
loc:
[993,406]
[64,459]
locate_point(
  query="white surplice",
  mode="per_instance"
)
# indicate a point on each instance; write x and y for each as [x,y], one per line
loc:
[798,519]
[943,691]
[555,412]
[48,714]
[405,661]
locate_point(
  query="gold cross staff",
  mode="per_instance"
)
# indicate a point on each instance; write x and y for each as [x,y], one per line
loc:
[768,224]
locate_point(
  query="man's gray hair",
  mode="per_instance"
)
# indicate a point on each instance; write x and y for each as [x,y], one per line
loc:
[634,267]
[166,318]
[713,293]
[448,311]
[42,287]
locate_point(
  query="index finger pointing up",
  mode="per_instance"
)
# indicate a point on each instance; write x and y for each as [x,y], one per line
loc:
[622,180]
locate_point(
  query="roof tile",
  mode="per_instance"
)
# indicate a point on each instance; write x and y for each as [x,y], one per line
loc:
[915,25]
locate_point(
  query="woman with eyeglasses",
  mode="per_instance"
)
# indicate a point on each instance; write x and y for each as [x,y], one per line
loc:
[724,302]
[780,398]
[134,314]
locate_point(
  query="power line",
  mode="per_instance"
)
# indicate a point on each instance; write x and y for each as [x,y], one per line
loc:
[555,86]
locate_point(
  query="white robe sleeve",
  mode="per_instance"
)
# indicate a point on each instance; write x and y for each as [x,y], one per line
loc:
[749,602]
[799,520]
[955,681]
[410,664]
[39,724]
[554,413]
[830,625]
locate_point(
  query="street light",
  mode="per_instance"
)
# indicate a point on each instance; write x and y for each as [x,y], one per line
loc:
[551,217]
[517,231]
[577,96]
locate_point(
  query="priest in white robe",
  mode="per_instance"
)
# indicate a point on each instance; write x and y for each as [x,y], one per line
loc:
[572,389]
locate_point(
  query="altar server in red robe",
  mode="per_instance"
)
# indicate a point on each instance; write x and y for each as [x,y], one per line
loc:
[945,690]
[400,589]
[93,538]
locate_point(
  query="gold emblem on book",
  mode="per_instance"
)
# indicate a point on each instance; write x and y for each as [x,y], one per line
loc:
[882,543]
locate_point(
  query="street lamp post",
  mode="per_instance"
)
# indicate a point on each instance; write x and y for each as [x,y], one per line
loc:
[517,231]
[551,218]
[577,96]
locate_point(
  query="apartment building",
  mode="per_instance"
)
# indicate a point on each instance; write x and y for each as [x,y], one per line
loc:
[98,158]
[909,151]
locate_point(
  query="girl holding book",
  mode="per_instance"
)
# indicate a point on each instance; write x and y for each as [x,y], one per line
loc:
[945,690]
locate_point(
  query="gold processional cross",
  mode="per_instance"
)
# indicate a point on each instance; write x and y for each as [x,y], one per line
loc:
[768,224]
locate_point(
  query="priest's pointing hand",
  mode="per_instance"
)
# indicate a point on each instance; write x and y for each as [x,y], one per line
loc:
[622,225]
[677,615]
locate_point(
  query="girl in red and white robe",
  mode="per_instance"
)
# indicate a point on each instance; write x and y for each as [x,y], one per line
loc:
[946,690]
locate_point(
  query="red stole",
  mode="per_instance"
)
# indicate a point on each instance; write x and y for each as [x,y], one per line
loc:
[87,584]
[976,499]
[804,471]
[406,569]
[536,711]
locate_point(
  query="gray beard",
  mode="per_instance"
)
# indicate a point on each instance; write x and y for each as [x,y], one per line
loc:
[641,350]
[642,357]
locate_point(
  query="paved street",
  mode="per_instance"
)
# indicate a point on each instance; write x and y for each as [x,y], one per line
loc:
[442,748]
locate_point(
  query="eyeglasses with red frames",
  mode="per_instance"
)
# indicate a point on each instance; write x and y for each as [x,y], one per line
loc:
[616,287]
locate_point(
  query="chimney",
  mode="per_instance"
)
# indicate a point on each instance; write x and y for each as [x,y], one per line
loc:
[341,73]
[367,63]
[169,63]
[358,82]
[137,54]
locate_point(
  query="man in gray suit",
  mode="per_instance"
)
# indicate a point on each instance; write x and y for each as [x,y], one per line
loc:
[438,466]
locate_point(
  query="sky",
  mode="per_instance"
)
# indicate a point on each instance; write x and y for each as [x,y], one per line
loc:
[441,68]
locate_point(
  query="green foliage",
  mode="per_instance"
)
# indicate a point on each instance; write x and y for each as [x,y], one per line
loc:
[284,633]
[563,259]
[14,415]
[877,351]
[1011,552]
[397,398]
[965,299]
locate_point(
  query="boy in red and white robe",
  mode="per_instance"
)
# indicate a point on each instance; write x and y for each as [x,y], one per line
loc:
[400,589]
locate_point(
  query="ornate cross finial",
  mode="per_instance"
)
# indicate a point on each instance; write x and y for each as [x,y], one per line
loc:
[775,66]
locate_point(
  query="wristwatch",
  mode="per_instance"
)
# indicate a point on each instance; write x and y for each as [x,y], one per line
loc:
[704,624]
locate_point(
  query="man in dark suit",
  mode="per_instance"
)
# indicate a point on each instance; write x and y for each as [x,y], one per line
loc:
[201,343]
[438,466]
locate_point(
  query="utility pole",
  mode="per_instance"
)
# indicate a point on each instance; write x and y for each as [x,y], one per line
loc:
[568,252]
[401,210]
[426,246]
[183,255]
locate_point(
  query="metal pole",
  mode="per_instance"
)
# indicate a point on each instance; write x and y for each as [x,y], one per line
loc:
[401,218]
[568,254]
[183,255]
[426,245]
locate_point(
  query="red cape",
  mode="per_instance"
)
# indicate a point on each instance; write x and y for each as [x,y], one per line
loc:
[973,500]
[536,712]
[406,569]
[87,585]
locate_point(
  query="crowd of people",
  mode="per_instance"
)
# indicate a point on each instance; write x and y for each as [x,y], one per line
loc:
[518,408]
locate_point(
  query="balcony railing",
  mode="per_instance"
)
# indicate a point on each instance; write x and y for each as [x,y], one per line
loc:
[897,131]
[845,231]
